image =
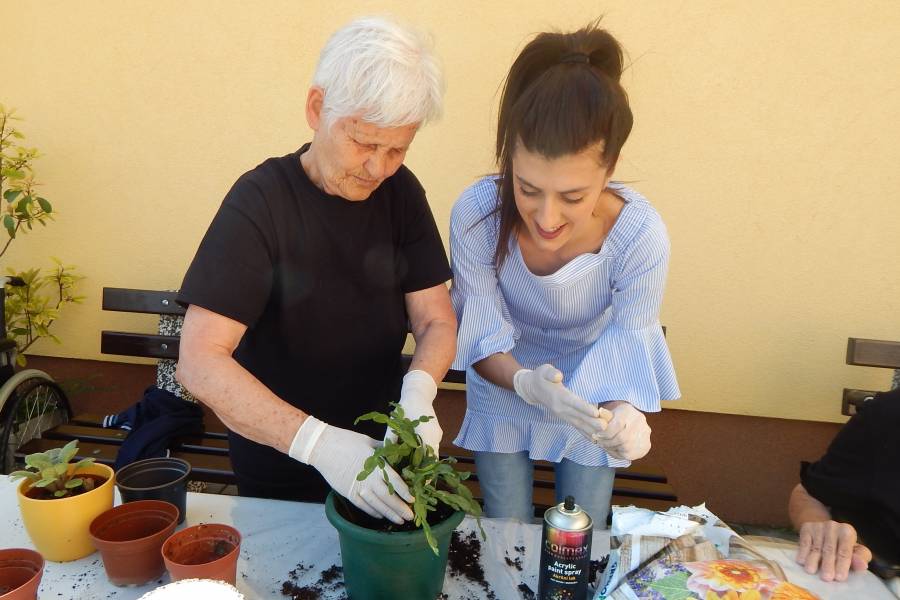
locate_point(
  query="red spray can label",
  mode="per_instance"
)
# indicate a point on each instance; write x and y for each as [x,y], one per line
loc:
[565,552]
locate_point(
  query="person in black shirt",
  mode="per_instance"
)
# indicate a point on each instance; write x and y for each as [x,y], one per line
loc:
[847,504]
[317,263]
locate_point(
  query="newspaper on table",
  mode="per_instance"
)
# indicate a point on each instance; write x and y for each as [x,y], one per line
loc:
[687,553]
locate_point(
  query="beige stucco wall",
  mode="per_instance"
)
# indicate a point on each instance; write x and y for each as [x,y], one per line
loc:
[767,136]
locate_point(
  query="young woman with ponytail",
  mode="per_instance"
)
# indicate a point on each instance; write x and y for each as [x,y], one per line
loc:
[559,274]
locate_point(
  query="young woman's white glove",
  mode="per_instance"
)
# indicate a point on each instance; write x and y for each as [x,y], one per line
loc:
[417,400]
[627,436]
[338,454]
[543,387]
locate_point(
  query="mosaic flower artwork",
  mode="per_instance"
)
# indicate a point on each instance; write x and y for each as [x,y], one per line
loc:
[729,575]
[712,580]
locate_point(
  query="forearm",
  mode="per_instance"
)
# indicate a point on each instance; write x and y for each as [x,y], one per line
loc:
[435,348]
[803,508]
[499,369]
[243,404]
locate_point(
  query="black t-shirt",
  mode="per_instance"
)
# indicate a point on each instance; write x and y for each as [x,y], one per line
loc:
[859,476]
[319,281]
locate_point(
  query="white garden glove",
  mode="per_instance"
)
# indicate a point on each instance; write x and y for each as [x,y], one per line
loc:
[417,399]
[543,387]
[338,454]
[627,435]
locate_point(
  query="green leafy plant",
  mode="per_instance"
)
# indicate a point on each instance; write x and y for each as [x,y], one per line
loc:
[51,471]
[31,308]
[431,480]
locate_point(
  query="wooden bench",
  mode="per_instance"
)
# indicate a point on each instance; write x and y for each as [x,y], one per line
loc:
[867,353]
[642,483]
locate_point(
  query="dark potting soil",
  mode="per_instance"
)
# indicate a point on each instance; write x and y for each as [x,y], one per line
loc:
[330,580]
[37,493]
[203,552]
[358,517]
[515,563]
[597,568]
[464,559]
[527,592]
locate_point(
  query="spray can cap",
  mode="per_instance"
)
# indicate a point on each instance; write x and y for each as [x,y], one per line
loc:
[568,515]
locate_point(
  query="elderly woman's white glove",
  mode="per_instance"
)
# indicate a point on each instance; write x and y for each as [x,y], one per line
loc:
[543,387]
[417,400]
[627,435]
[338,454]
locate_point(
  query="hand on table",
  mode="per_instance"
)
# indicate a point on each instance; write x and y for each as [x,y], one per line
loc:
[417,399]
[338,454]
[830,548]
[627,435]
[543,387]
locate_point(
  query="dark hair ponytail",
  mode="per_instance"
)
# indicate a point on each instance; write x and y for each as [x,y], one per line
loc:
[561,96]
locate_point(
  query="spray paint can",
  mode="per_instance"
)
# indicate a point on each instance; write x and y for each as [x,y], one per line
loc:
[565,552]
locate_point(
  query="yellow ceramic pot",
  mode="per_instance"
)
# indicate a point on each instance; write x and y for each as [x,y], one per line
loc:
[59,528]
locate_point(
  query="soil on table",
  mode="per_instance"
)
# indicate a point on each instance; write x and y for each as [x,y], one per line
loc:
[464,560]
[36,493]
[330,580]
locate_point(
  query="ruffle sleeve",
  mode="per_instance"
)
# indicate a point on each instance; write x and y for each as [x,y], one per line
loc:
[630,360]
[485,326]
[627,364]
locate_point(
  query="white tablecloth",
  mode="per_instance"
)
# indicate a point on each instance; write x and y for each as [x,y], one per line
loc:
[277,536]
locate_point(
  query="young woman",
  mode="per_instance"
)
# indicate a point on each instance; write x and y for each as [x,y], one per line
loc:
[558,279]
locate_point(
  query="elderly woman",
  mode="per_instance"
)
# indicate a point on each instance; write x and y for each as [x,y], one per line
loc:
[300,293]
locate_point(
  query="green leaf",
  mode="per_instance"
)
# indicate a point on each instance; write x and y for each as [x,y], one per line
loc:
[45,482]
[372,416]
[10,225]
[38,460]
[24,475]
[673,587]
[45,205]
[84,462]
[11,195]
[74,483]
[60,493]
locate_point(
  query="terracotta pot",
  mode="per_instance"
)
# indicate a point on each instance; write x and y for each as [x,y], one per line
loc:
[59,527]
[205,551]
[130,537]
[20,573]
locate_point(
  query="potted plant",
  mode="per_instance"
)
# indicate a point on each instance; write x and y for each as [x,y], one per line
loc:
[32,307]
[59,499]
[130,538]
[20,573]
[205,551]
[384,560]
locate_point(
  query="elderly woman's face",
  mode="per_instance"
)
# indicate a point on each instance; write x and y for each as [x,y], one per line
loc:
[354,157]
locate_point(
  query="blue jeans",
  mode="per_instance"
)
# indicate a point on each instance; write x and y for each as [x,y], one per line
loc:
[506,481]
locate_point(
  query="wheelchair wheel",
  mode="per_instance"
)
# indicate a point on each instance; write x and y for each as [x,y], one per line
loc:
[30,404]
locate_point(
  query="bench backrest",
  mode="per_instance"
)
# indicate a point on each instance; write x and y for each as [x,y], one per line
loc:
[155,345]
[869,353]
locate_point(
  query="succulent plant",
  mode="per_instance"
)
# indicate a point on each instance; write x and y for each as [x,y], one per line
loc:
[51,471]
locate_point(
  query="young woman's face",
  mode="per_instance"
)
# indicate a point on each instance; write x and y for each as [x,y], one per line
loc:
[556,197]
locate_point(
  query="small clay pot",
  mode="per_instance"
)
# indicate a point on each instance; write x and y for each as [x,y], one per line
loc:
[205,551]
[162,478]
[20,573]
[130,537]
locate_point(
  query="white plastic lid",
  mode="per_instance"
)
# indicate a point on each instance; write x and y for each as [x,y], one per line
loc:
[191,589]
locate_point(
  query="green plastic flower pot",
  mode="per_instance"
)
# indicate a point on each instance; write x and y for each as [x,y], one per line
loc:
[380,564]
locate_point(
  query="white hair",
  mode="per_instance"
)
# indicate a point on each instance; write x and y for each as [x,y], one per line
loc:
[381,71]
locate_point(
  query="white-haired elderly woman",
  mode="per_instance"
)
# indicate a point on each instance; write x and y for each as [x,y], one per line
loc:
[301,293]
